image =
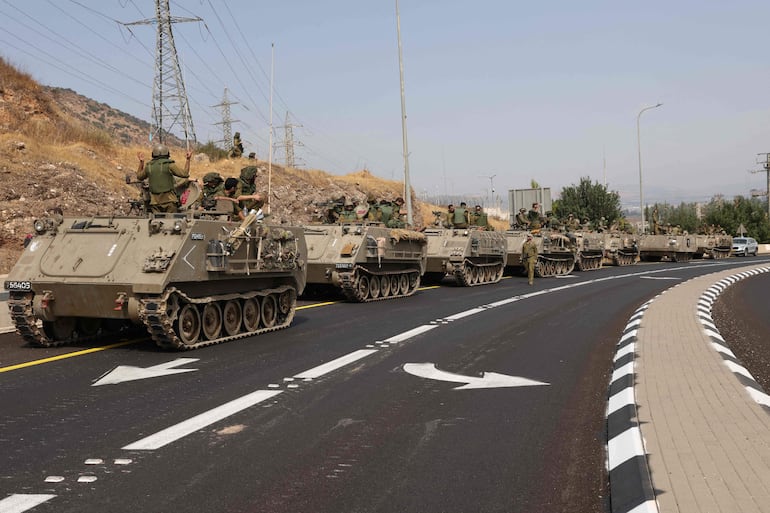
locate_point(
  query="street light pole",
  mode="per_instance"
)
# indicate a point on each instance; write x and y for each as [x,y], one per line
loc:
[491,186]
[639,149]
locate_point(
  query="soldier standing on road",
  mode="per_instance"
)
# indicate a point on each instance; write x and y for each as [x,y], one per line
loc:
[529,257]
[160,172]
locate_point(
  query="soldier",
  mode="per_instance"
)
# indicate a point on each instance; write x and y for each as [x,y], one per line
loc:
[213,186]
[348,214]
[457,216]
[374,214]
[386,211]
[247,190]
[536,219]
[521,219]
[230,190]
[161,171]
[397,219]
[237,150]
[572,224]
[479,218]
[655,221]
[602,225]
[529,257]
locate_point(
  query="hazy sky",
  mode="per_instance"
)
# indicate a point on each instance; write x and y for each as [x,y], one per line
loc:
[545,90]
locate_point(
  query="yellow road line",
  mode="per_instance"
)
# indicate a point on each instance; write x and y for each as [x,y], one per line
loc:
[67,355]
[318,304]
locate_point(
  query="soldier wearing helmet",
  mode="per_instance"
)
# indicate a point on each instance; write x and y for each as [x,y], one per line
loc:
[522,221]
[348,214]
[213,186]
[160,173]
[237,150]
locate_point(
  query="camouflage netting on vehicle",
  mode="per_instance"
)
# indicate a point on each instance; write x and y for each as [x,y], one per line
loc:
[398,234]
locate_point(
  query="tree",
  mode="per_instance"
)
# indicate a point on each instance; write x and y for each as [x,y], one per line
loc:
[684,216]
[751,213]
[590,201]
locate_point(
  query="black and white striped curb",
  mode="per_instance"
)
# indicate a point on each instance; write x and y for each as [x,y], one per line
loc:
[705,303]
[630,482]
[631,487]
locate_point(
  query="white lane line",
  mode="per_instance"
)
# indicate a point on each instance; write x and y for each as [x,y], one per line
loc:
[17,503]
[419,330]
[317,372]
[193,424]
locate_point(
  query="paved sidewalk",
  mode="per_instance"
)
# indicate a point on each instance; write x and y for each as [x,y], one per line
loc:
[703,420]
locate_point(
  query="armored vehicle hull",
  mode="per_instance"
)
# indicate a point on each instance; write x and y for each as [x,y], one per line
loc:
[620,249]
[713,246]
[367,262]
[471,256]
[554,258]
[673,248]
[190,282]
[589,250]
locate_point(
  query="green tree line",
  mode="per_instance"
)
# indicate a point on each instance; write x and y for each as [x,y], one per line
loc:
[591,201]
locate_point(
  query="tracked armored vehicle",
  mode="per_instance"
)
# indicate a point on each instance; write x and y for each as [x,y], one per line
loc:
[365,261]
[588,248]
[620,249]
[716,246]
[471,255]
[555,256]
[672,248]
[189,281]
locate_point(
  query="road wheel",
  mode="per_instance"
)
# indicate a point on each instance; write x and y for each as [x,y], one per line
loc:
[212,320]
[385,286]
[251,314]
[231,317]
[374,287]
[62,328]
[363,286]
[269,311]
[189,324]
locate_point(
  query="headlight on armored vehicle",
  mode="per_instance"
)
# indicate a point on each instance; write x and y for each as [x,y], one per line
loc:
[40,226]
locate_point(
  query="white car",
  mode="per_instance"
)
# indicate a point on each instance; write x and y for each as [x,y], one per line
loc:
[745,246]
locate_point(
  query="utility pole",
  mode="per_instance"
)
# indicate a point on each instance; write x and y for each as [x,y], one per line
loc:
[288,141]
[491,188]
[169,98]
[766,165]
[407,185]
[227,121]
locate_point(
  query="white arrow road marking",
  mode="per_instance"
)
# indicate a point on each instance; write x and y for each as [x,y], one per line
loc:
[488,379]
[17,503]
[123,373]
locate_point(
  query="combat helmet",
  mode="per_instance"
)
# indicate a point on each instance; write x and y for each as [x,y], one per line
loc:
[160,150]
[212,177]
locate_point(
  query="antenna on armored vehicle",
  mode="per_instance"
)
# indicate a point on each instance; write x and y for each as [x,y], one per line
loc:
[169,98]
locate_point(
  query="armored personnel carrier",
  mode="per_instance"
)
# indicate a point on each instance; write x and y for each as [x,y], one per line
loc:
[620,249]
[672,248]
[190,281]
[714,246]
[589,249]
[555,256]
[366,261]
[472,256]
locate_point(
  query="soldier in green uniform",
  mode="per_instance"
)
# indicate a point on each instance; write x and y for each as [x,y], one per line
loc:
[535,217]
[572,224]
[160,172]
[529,257]
[386,211]
[397,218]
[479,218]
[247,190]
[374,214]
[348,214]
[521,219]
[230,191]
[213,186]
[237,149]
[457,217]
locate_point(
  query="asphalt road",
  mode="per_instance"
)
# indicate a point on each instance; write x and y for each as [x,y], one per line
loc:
[259,426]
